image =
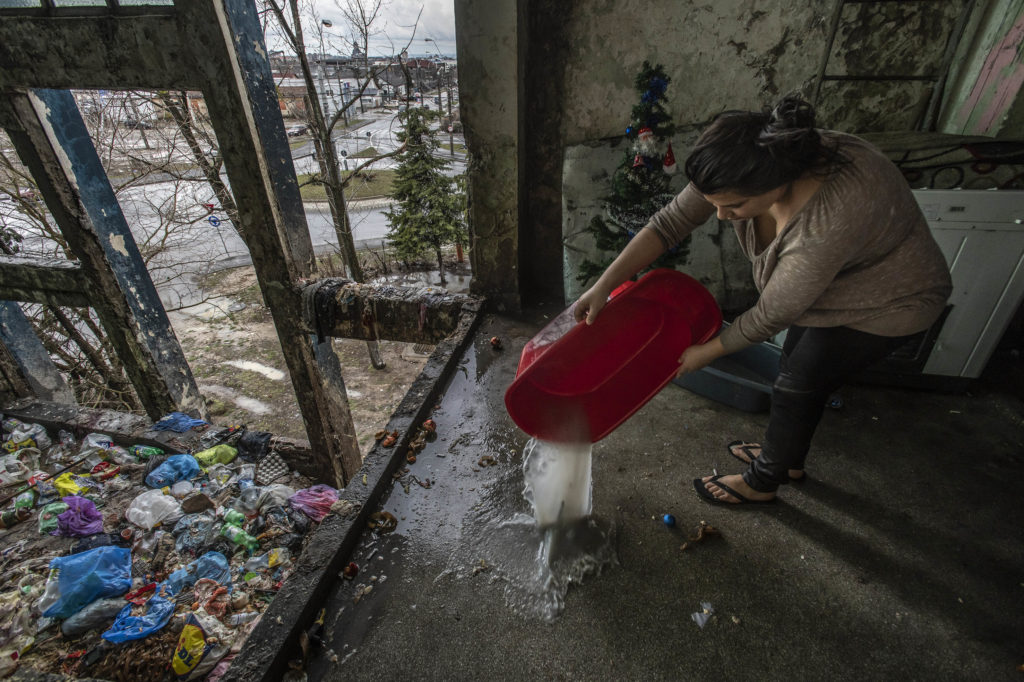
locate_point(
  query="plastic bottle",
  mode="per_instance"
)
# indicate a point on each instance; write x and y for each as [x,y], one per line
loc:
[246,484]
[98,614]
[144,452]
[234,517]
[249,501]
[26,500]
[51,595]
[63,452]
[13,518]
[271,559]
[239,537]
[244,617]
[181,489]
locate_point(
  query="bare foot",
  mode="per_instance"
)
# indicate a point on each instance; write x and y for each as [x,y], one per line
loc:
[747,452]
[736,482]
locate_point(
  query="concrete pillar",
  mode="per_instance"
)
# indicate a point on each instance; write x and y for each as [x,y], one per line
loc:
[488,36]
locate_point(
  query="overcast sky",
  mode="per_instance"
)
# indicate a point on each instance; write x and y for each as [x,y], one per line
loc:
[399,19]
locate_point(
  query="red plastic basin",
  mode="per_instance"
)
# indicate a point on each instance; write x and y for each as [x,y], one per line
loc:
[577,383]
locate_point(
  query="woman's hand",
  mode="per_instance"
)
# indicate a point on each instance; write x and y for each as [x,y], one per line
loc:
[700,356]
[590,304]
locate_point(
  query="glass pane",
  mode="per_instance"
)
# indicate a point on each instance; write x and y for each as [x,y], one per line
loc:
[19,4]
[80,3]
[145,3]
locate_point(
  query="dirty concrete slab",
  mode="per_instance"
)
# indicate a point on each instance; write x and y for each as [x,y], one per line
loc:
[901,556]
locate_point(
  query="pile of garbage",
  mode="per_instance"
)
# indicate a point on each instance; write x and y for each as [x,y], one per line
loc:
[131,562]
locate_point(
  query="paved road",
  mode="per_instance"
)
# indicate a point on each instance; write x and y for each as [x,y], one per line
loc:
[203,241]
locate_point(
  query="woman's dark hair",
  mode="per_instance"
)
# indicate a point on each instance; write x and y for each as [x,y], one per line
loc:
[753,152]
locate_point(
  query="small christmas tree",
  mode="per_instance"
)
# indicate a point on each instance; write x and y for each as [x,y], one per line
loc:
[640,185]
[429,210]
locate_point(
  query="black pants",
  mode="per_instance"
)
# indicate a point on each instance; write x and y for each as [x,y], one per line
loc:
[815,362]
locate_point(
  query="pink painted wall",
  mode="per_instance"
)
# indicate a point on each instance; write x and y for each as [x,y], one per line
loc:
[997,87]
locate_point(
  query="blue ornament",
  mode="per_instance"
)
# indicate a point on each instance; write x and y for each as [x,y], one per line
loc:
[668,520]
[657,85]
[629,130]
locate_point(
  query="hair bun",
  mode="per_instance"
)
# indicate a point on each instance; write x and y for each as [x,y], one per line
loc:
[791,113]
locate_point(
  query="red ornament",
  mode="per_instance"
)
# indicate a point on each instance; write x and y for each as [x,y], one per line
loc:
[669,164]
[638,161]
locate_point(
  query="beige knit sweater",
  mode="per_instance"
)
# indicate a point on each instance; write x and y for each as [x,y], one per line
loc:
[858,254]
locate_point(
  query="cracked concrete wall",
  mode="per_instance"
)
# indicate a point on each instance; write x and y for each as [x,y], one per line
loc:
[576,61]
[734,54]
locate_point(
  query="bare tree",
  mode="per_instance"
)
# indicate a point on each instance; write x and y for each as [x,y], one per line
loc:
[362,16]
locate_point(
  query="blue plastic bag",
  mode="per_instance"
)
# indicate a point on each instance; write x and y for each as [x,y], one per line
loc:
[127,627]
[83,578]
[212,565]
[173,469]
[160,606]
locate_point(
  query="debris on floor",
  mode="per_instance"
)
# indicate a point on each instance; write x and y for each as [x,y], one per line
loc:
[134,563]
[704,531]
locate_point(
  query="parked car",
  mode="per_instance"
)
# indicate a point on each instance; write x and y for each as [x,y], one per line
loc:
[132,124]
[296,131]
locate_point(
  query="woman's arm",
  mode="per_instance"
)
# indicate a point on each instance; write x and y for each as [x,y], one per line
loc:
[640,252]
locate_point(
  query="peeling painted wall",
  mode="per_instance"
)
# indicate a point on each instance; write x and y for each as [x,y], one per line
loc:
[985,95]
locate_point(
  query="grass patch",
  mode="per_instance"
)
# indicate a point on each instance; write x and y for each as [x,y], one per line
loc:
[368,184]
[367,153]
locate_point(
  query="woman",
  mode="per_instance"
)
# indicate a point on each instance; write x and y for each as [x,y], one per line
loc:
[842,257]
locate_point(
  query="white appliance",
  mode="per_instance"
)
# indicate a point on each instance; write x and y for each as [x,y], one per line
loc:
[981,233]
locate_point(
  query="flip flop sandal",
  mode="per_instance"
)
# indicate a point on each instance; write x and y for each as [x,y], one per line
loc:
[746,449]
[698,485]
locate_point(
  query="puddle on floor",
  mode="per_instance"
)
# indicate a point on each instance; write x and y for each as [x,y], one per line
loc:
[533,532]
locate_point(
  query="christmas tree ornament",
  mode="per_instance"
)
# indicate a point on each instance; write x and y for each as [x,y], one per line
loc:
[669,163]
[638,187]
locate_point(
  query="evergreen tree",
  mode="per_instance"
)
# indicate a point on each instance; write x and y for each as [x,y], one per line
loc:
[640,184]
[429,210]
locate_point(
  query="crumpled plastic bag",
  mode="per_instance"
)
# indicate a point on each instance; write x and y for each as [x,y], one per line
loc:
[126,627]
[194,532]
[218,454]
[179,422]
[212,565]
[48,516]
[152,508]
[173,469]
[81,518]
[315,501]
[160,607]
[80,579]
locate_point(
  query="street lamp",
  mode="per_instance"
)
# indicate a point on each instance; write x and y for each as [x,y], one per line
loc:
[451,121]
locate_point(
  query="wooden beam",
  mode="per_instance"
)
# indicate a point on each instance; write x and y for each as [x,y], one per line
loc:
[50,136]
[43,280]
[60,52]
[242,100]
[30,357]
[345,309]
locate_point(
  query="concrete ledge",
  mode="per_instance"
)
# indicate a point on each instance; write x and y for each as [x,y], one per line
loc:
[275,639]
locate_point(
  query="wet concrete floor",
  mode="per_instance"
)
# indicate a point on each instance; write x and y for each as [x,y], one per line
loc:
[900,557]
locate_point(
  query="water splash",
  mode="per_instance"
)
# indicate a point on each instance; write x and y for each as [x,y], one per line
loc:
[533,531]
